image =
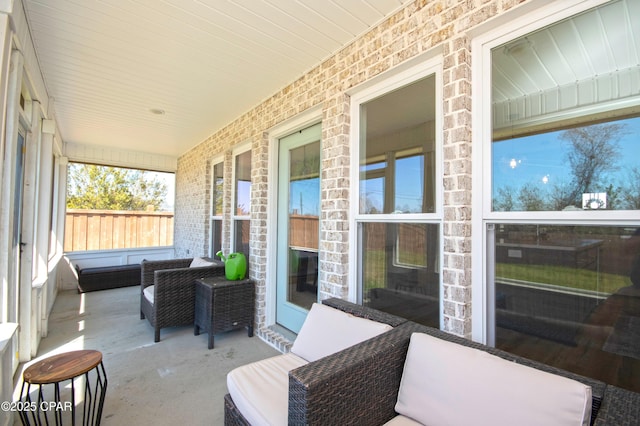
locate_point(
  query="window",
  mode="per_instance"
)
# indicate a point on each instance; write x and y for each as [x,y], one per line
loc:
[217,193]
[569,296]
[116,208]
[561,216]
[566,116]
[242,197]
[398,231]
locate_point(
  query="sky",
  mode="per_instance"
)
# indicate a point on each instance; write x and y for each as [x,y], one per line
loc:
[304,197]
[408,189]
[542,158]
[168,179]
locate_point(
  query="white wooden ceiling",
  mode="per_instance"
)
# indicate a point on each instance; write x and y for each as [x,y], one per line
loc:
[110,64]
[597,42]
[588,63]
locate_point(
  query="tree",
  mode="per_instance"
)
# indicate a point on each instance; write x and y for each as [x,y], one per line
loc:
[594,151]
[110,188]
[531,198]
[505,199]
[630,192]
[558,196]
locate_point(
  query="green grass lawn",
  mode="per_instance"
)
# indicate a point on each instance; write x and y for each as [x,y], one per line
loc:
[583,279]
[563,276]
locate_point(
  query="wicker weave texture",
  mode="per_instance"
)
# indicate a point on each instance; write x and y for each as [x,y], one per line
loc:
[356,386]
[103,278]
[222,305]
[149,267]
[232,416]
[619,407]
[364,312]
[174,292]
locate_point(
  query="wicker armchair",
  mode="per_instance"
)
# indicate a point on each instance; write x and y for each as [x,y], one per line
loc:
[173,284]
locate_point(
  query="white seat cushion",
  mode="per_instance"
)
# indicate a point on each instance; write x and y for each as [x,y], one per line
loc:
[148,293]
[260,390]
[402,421]
[328,330]
[444,383]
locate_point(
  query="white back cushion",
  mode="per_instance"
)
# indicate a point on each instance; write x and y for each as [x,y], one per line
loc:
[199,262]
[327,330]
[444,383]
[149,293]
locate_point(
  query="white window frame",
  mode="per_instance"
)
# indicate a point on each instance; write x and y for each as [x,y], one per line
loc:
[510,26]
[406,74]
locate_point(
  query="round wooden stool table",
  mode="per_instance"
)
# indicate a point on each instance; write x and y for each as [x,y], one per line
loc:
[55,370]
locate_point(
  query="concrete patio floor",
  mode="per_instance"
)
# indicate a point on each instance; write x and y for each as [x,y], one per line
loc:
[175,381]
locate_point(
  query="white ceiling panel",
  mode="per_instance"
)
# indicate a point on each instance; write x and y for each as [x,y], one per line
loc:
[203,62]
[206,62]
[598,42]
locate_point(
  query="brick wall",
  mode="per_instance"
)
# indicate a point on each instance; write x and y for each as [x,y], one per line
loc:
[418,28]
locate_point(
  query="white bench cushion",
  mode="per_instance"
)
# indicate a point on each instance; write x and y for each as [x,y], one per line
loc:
[260,390]
[444,383]
[328,330]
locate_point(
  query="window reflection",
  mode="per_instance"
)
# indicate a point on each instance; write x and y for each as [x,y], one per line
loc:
[243,184]
[591,167]
[372,188]
[566,120]
[409,197]
[217,189]
[241,221]
[400,270]
[304,216]
[565,130]
[397,170]
[570,296]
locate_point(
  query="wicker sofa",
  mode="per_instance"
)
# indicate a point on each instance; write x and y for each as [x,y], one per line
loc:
[359,385]
[167,290]
[257,391]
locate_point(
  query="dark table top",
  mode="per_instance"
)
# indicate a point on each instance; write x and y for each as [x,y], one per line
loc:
[221,281]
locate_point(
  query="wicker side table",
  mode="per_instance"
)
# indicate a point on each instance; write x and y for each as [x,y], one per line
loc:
[223,305]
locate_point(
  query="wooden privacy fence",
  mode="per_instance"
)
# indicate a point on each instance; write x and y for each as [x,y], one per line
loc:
[303,231]
[116,229]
